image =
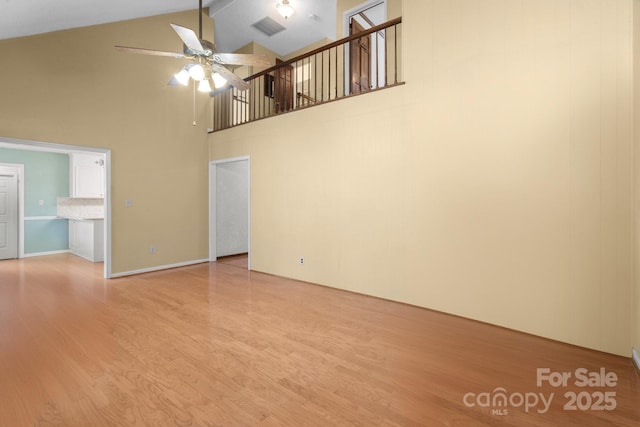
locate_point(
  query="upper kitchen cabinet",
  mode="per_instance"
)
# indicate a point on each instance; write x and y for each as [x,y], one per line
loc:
[87,175]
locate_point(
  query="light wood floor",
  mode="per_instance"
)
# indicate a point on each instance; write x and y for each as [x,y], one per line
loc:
[214,344]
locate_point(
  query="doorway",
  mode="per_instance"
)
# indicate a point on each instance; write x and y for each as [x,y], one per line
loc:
[359,59]
[9,211]
[366,69]
[283,89]
[27,145]
[229,208]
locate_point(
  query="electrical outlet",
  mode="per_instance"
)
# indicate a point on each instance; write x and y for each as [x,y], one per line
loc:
[152,250]
[41,202]
[301,260]
[128,203]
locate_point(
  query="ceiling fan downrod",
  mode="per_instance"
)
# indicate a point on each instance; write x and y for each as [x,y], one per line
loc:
[200,19]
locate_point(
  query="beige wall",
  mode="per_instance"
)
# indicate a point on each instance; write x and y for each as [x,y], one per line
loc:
[635,327]
[313,46]
[257,48]
[73,87]
[497,184]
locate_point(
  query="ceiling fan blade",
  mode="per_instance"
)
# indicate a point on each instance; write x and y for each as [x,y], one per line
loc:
[242,59]
[235,81]
[188,37]
[143,51]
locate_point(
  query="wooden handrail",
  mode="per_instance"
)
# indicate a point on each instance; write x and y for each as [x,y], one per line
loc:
[342,41]
[314,78]
[306,97]
[370,22]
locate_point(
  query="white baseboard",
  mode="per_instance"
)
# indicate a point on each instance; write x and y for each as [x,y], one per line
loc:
[64,251]
[636,358]
[158,268]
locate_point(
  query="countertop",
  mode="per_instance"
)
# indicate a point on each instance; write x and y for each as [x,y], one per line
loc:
[81,218]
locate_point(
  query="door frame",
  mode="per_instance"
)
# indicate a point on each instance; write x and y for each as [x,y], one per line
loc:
[213,164]
[346,16]
[22,144]
[19,168]
[283,88]
[356,54]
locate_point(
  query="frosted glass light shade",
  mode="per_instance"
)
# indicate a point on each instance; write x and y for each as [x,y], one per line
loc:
[285,9]
[196,72]
[182,77]
[218,80]
[204,86]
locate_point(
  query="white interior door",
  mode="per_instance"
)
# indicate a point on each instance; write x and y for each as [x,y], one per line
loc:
[8,213]
[232,208]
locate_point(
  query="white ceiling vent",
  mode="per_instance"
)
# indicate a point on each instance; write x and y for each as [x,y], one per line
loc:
[268,26]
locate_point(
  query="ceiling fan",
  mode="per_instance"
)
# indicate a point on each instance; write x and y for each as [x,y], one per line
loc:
[205,63]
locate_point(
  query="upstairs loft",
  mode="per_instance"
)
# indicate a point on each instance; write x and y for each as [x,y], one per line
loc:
[368,60]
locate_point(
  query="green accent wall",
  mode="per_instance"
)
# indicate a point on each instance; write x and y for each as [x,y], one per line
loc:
[46,235]
[46,177]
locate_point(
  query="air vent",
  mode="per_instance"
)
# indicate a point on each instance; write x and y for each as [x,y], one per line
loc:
[268,26]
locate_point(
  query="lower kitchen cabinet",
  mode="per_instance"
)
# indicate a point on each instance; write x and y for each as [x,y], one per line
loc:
[86,238]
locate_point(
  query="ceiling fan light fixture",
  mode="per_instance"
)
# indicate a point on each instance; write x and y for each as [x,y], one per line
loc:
[182,76]
[218,80]
[285,9]
[204,86]
[196,72]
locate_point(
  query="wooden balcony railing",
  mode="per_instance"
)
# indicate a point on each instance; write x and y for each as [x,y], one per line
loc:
[361,63]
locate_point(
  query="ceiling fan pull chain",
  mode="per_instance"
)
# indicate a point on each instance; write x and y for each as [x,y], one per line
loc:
[194,103]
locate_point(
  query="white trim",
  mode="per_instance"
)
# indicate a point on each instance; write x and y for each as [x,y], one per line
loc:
[636,358]
[107,215]
[212,211]
[40,218]
[64,251]
[212,205]
[20,169]
[157,268]
[51,147]
[368,4]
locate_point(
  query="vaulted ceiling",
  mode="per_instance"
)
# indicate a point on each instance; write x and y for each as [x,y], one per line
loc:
[312,20]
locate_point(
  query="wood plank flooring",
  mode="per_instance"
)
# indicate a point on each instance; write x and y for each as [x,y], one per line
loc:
[217,345]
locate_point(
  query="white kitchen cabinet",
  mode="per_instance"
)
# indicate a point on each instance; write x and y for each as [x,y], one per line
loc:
[86,238]
[87,175]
